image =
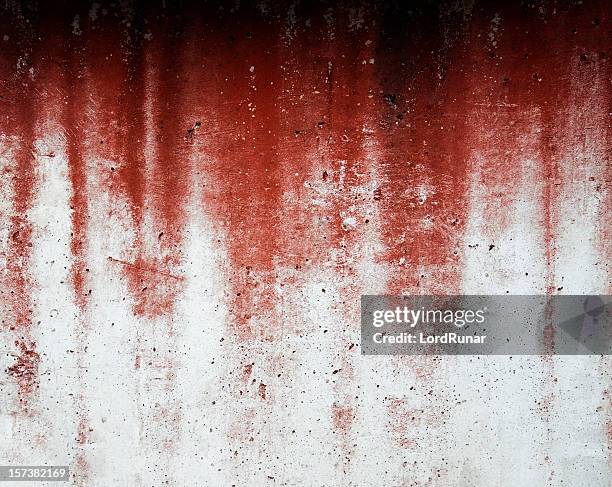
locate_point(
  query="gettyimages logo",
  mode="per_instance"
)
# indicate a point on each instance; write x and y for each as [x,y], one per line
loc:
[413,317]
[486,325]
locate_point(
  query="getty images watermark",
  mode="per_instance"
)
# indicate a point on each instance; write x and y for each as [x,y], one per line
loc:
[486,325]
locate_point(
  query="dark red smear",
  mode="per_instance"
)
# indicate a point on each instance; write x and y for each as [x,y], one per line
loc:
[247,163]
[129,84]
[17,88]
[421,66]
[168,190]
[282,116]
[346,110]
[121,59]
[171,168]
[531,70]
[19,122]
[73,122]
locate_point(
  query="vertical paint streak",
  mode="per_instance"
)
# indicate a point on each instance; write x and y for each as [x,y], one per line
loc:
[243,78]
[25,368]
[74,121]
[130,111]
[169,187]
[423,103]
[157,195]
[347,125]
[141,273]
[249,150]
[18,124]
[534,53]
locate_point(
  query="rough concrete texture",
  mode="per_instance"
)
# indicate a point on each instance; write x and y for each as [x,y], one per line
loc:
[195,196]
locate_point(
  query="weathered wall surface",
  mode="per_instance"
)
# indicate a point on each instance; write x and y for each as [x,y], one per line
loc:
[194,198]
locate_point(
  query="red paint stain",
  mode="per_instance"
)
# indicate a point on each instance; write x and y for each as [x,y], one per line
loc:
[132,78]
[531,95]
[248,164]
[83,432]
[75,133]
[25,369]
[529,71]
[161,192]
[129,83]
[164,191]
[262,390]
[19,279]
[342,417]
[154,290]
[171,170]
[426,83]
[81,470]
[424,102]
[19,56]
[247,370]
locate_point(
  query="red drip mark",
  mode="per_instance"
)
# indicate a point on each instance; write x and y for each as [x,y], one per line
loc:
[131,174]
[20,249]
[25,368]
[120,67]
[550,198]
[81,470]
[79,207]
[342,418]
[78,204]
[165,192]
[423,104]
[345,119]
[171,170]
[18,282]
[82,432]
[262,126]
[146,283]
[153,287]
[262,390]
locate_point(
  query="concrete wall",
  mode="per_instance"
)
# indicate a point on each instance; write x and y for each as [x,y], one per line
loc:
[194,198]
